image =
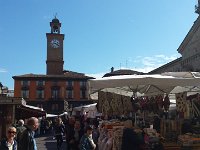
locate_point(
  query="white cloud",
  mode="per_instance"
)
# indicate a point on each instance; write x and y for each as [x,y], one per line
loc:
[145,69]
[149,63]
[2,70]
[142,64]
[167,58]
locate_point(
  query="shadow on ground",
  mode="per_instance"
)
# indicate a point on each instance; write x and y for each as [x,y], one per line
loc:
[48,143]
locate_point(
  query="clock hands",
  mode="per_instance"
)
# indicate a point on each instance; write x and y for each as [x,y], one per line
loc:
[55,43]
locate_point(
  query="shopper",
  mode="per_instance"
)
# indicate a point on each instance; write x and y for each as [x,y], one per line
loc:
[59,130]
[9,143]
[27,140]
[86,142]
[20,129]
[69,128]
[75,136]
[42,126]
[130,139]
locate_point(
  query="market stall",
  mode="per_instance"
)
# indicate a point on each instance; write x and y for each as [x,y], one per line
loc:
[152,88]
[114,134]
[89,110]
[133,95]
[26,111]
[147,84]
[8,106]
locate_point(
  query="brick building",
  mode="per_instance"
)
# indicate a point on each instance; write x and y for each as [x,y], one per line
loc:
[58,90]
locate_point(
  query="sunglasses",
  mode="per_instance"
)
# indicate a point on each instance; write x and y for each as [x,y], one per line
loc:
[12,132]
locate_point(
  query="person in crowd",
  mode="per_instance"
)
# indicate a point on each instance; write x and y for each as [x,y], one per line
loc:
[50,126]
[69,128]
[27,140]
[86,123]
[109,142]
[47,126]
[156,123]
[75,136]
[9,143]
[103,132]
[102,144]
[65,119]
[186,126]
[42,126]
[95,133]
[54,121]
[20,129]
[130,139]
[59,131]
[86,142]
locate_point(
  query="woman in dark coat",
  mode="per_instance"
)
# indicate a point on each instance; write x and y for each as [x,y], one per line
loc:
[75,136]
[59,130]
[130,139]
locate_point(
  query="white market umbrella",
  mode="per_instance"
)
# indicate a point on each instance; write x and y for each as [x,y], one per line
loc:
[146,84]
[51,115]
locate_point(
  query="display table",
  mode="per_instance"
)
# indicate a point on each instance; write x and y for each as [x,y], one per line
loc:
[175,146]
[191,147]
[171,146]
[168,126]
[189,141]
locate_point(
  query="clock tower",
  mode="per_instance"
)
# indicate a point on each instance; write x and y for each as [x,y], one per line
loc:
[55,49]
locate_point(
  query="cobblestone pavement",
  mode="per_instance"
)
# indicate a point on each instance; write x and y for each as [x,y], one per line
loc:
[48,143]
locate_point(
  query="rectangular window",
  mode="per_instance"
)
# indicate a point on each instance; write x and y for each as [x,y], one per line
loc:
[55,93]
[70,83]
[83,94]
[40,93]
[83,83]
[69,94]
[25,93]
[40,83]
[25,83]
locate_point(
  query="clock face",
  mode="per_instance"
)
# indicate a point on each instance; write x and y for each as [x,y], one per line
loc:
[55,43]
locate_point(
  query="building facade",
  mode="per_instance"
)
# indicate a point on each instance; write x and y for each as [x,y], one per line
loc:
[189,50]
[58,90]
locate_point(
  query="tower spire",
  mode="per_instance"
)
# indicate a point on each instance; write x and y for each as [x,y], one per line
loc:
[55,25]
[197,7]
[55,16]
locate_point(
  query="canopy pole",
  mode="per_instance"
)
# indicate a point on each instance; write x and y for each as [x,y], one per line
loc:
[135,124]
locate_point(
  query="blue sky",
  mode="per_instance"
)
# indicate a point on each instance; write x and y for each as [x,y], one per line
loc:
[135,34]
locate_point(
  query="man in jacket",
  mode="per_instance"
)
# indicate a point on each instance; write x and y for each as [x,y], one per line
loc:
[20,129]
[27,140]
